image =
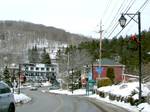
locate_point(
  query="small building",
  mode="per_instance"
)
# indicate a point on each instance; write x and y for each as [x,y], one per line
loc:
[105,64]
[39,72]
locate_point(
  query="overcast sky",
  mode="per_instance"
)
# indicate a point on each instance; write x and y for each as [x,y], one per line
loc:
[75,16]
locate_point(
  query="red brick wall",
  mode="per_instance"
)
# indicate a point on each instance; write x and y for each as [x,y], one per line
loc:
[117,70]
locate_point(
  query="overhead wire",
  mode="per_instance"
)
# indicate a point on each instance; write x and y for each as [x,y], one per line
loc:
[142,6]
[108,3]
[112,10]
[126,10]
[115,15]
[107,7]
[114,26]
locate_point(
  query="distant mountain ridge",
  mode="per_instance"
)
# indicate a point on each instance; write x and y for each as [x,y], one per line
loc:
[16,37]
[51,33]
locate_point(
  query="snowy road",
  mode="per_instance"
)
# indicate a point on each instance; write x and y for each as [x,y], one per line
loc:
[46,102]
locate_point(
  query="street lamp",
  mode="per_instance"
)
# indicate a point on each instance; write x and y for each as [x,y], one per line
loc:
[122,22]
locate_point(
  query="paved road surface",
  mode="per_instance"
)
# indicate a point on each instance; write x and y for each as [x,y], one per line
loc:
[46,102]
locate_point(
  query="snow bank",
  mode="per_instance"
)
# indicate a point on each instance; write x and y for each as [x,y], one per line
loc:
[145,107]
[21,98]
[125,89]
[46,83]
[66,92]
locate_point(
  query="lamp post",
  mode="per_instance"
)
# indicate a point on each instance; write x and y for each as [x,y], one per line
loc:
[122,22]
[72,81]
[19,79]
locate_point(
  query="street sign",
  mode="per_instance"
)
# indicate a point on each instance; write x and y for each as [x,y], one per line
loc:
[99,70]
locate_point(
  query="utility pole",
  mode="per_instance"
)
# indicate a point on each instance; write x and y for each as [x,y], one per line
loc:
[100,45]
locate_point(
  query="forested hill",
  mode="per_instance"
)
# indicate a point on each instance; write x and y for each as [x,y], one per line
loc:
[16,37]
[32,31]
[124,50]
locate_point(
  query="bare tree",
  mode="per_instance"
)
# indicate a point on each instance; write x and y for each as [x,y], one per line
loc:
[79,58]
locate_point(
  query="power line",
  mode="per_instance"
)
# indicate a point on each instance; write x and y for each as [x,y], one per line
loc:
[126,10]
[112,9]
[142,6]
[115,16]
[129,6]
[107,7]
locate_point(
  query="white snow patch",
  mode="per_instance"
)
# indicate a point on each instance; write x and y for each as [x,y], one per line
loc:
[21,98]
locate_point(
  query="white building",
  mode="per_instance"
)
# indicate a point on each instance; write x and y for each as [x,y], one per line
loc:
[40,72]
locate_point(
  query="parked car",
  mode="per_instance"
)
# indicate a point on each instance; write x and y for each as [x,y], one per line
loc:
[7,102]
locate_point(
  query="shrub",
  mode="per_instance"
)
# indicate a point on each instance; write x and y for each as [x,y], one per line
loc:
[118,98]
[137,101]
[110,73]
[102,94]
[122,99]
[131,101]
[112,96]
[104,82]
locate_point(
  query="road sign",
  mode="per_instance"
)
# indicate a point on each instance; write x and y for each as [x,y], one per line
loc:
[99,70]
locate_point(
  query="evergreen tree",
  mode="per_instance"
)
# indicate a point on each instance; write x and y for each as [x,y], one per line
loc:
[33,55]
[45,58]
[110,73]
[7,76]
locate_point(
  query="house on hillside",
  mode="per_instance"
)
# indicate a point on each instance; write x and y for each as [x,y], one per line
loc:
[105,64]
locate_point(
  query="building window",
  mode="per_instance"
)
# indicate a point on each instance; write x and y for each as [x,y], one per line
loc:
[42,69]
[52,69]
[37,68]
[47,69]
[31,68]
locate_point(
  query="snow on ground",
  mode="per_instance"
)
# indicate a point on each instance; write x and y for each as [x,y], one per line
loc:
[123,89]
[46,83]
[121,104]
[21,98]
[67,92]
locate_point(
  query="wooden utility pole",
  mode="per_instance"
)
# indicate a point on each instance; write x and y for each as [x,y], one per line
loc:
[100,45]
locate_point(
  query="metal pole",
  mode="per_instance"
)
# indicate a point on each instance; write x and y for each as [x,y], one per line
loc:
[140,48]
[13,80]
[19,79]
[72,81]
[140,55]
